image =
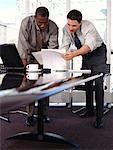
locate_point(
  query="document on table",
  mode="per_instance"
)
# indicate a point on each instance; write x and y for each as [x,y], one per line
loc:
[51,58]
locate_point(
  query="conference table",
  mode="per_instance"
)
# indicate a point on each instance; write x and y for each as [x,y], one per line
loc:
[18,89]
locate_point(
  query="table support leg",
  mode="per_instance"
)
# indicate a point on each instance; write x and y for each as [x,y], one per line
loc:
[40,135]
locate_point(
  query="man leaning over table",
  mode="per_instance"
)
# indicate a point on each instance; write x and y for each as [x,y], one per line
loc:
[88,43]
[36,32]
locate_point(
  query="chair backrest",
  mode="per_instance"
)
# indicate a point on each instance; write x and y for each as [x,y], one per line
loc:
[11,81]
[10,56]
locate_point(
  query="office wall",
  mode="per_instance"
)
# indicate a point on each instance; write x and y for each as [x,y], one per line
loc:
[78,97]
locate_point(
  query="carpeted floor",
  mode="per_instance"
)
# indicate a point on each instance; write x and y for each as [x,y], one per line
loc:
[63,122]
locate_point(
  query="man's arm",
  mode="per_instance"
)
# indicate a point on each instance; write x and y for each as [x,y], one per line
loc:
[23,44]
[53,38]
[66,39]
[25,62]
[82,51]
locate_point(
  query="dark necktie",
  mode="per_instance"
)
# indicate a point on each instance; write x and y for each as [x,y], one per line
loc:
[77,41]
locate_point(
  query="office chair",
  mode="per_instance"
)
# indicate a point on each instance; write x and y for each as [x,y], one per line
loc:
[107,106]
[12,65]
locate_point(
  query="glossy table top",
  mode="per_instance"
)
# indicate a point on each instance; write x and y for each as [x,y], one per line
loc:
[18,89]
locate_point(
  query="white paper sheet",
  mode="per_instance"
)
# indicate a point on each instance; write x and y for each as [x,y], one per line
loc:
[51,58]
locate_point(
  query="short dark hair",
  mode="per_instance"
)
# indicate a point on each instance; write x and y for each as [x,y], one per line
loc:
[42,11]
[75,15]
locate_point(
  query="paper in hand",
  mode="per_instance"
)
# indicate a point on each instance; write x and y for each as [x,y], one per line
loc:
[51,58]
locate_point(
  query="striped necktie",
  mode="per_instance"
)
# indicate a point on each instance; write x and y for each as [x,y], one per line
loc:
[77,41]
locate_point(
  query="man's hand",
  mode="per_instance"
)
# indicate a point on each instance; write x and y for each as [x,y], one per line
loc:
[82,51]
[68,55]
[25,63]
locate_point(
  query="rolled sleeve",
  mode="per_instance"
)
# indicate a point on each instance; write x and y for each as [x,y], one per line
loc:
[90,42]
[22,40]
[91,37]
[53,38]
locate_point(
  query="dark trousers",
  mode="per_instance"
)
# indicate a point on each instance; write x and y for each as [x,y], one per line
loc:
[96,62]
[97,88]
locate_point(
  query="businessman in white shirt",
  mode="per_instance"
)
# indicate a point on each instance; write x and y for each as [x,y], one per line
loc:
[88,43]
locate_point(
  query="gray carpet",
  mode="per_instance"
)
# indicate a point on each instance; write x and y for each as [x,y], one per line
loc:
[63,122]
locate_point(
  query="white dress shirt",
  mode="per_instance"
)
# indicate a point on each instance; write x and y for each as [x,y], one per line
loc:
[88,35]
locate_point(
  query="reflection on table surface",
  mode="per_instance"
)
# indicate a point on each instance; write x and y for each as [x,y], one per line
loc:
[26,81]
[17,90]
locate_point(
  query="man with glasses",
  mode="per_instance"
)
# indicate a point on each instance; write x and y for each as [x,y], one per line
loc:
[36,32]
